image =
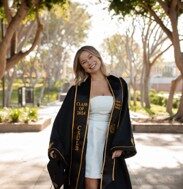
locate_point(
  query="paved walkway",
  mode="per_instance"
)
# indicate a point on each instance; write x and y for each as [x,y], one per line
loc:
[23,159]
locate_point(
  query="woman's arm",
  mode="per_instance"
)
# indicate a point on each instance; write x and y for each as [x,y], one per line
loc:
[59,144]
[123,139]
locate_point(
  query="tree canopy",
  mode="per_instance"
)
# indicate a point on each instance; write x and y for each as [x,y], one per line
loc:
[32,3]
[158,10]
[143,7]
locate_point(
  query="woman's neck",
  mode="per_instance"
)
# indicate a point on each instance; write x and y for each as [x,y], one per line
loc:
[97,77]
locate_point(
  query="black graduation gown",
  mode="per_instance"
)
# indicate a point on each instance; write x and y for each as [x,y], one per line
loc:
[69,136]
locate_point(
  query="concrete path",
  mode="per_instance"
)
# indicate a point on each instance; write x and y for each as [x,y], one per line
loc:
[23,159]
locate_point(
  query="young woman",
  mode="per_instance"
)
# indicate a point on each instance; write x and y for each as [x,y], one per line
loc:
[92,135]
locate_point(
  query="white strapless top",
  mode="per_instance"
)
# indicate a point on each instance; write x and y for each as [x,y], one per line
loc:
[100,108]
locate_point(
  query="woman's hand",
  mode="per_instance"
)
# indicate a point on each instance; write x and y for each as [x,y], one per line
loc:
[53,155]
[117,153]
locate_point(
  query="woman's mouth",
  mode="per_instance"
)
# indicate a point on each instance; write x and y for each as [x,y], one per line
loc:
[93,66]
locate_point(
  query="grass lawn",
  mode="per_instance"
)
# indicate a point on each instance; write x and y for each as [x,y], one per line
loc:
[154,111]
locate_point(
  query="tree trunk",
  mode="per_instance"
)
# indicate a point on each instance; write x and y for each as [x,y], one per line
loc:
[145,85]
[178,57]
[146,92]
[171,94]
[134,87]
[179,114]
[134,95]
[179,60]
[40,99]
[9,89]
[142,88]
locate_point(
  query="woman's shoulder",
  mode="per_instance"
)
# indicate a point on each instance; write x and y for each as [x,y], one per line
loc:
[71,89]
[116,78]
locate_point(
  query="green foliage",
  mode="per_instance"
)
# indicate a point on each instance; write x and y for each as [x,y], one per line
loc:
[2,15]
[29,114]
[33,114]
[14,115]
[135,108]
[50,95]
[115,44]
[137,96]
[155,110]
[176,103]
[157,99]
[3,115]
[161,100]
[67,27]
[138,108]
[49,3]
[127,7]
[139,7]
[32,7]
[158,105]
[149,111]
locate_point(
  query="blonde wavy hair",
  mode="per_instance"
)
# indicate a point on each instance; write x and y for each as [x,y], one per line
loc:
[80,74]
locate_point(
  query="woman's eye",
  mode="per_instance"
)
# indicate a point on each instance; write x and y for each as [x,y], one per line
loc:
[83,62]
[90,56]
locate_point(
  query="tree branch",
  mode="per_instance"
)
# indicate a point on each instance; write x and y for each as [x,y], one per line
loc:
[7,10]
[26,34]
[14,59]
[158,40]
[174,4]
[146,40]
[159,21]
[154,60]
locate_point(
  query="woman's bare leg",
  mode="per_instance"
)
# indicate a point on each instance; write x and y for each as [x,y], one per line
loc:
[91,183]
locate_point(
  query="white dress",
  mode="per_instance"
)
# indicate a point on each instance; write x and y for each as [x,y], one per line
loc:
[100,109]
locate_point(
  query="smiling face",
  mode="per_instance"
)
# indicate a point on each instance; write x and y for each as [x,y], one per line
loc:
[89,62]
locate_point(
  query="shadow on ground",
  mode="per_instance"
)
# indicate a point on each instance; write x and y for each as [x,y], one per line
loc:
[24,174]
[162,140]
[151,178]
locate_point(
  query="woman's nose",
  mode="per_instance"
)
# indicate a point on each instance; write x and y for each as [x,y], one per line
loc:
[89,62]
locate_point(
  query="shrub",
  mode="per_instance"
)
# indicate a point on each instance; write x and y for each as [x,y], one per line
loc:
[33,114]
[14,115]
[176,103]
[1,116]
[19,114]
[29,114]
[157,99]
[4,114]
[133,107]
[137,96]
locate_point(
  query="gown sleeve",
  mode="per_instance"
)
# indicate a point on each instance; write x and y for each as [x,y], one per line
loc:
[123,138]
[60,139]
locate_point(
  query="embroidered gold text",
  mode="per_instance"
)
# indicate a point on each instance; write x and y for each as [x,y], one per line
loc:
[78,136]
